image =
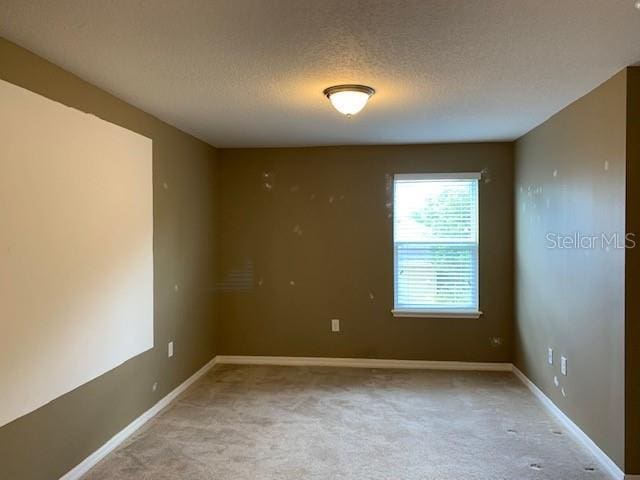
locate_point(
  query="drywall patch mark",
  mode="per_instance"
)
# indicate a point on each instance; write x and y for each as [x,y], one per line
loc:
[371,296]
[165,185]
[496,342]
[260,282]
[176,287]
[331,199]
[564,393]
[556,382]
[606,165]
[485,174]
[555,174]
[268,181]
[297,230]
[312,196]
[292,283]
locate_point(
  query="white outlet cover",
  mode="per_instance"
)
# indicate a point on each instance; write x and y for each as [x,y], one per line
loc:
[335,325]
[563,365]
[170,349]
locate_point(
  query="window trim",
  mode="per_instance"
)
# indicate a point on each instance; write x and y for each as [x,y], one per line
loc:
[448,312]
[410,313]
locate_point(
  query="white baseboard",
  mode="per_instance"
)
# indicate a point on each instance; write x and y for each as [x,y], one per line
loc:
[605,462]
[89,462]
[362,363]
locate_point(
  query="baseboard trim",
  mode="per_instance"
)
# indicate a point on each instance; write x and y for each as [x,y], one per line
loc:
[362,363]
[603,459]
[113,443]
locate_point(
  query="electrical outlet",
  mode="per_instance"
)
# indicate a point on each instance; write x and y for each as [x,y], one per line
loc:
[563,365]
[550,356]
[170,349]
[335,324]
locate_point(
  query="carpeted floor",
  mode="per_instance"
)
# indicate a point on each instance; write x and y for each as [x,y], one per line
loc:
[294,423]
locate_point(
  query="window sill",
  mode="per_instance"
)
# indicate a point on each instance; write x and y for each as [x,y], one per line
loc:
[435,314]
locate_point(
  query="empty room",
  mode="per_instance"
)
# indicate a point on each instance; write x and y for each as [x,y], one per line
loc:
[339,240]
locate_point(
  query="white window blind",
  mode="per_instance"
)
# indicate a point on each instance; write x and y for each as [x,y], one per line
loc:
[435,236]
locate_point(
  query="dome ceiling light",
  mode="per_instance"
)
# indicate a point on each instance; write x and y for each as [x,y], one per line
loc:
[349,99]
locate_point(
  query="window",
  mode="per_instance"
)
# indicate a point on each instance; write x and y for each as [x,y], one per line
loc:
[435,242]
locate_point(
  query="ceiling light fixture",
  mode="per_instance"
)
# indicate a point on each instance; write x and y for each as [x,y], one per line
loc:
[349,99]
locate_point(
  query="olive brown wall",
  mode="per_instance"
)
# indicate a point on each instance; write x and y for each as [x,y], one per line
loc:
[50,441]
[305,235]
[570,177]
[632,275]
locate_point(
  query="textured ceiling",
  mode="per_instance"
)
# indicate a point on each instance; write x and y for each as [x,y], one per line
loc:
[251,72]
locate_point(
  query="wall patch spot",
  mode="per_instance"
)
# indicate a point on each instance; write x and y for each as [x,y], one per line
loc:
[165,185]
[176,287]
[268,181]
[371,296]
[606,165]
[556,382]
[331,199]
[297,230]
[485,175]
[555,173]
[292,283]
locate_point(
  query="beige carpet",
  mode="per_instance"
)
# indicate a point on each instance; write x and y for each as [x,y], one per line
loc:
[291,423]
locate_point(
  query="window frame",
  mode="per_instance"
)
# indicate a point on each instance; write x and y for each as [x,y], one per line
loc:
[444,312]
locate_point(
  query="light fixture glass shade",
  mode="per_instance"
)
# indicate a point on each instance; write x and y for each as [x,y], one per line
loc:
[349,99]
